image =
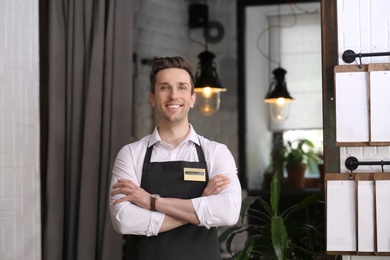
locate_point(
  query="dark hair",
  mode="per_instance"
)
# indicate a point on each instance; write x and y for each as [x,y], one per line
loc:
[169,63]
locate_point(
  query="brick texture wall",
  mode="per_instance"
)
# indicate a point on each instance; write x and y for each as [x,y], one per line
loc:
[19,131]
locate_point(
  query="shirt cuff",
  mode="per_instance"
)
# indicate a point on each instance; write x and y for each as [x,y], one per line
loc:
[156,220]
[200,208]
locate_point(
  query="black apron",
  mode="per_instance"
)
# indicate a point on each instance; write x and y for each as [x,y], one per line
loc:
[189,242]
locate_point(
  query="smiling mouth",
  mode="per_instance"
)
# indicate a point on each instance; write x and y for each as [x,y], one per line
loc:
[173,106]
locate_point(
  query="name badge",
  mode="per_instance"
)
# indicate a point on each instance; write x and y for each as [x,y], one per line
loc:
[194,174]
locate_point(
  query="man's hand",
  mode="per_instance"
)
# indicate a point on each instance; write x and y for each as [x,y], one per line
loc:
[216,184]
[132,192]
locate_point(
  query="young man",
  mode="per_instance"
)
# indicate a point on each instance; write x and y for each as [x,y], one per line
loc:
[172,188]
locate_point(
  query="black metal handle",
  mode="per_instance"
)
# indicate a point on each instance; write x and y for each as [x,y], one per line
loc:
[349,56]
[352,163]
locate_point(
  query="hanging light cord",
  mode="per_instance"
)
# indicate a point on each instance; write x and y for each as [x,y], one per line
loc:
[204,45]
[280,36]
[307,11]
[269,28]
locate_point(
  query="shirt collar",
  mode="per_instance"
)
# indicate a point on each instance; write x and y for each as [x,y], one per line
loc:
[192,136]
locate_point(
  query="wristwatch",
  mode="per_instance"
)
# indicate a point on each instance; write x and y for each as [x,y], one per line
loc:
[153,198]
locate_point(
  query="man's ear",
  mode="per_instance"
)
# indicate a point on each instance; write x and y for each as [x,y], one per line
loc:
[152,99]
[193,98]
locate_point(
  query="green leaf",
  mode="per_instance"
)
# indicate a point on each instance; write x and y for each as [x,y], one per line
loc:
[279,237]
[314,198]
[275,193]
[266,206]
[245,253]
[299,152]
[246,203]
[228,232]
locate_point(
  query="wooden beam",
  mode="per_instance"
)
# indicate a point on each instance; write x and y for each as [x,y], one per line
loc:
[329,60]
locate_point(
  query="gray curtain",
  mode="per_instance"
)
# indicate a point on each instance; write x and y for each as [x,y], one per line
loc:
[89,119]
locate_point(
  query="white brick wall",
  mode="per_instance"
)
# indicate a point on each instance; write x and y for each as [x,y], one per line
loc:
[363,26]
[19,131]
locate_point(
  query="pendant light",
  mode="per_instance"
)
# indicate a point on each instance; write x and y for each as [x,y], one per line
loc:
[278,97]
[207,85]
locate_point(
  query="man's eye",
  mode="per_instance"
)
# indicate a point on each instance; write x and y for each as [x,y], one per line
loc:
[163,87]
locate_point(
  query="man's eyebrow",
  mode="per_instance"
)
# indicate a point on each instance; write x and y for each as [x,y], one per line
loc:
[162,83]
[167,83]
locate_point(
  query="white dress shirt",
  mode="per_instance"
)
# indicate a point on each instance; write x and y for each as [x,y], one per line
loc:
[217,210]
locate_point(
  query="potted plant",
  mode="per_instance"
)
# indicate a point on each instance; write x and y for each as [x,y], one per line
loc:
[277,235]
[297,157]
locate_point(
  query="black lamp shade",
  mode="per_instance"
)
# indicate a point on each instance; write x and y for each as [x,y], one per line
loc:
[280,89]
[206,76]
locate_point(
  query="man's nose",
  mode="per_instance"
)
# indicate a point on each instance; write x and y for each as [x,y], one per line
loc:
[173,93]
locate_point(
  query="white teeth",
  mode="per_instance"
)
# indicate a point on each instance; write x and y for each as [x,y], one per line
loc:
[174,106]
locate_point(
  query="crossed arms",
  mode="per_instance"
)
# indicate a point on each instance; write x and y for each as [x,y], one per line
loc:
[177,211]
[219,204]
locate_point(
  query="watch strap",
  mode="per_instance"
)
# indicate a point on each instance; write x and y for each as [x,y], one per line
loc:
[153,199]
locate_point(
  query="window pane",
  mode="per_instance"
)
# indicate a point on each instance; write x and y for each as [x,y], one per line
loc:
[315,136]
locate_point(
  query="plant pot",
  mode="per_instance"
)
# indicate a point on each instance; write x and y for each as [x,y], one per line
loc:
[296,176]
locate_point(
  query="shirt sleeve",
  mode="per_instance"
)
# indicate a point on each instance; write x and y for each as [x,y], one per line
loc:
[222,209]
[126,217]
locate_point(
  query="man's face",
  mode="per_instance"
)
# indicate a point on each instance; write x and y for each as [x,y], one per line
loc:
[172,98]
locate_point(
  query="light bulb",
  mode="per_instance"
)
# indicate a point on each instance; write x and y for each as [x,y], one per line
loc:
[207,92]
[278,97]
[208,102]
[280,110]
